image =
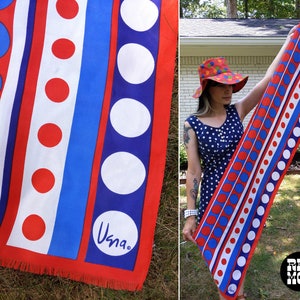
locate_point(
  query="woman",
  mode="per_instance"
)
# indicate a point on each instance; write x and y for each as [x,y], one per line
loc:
[213,132]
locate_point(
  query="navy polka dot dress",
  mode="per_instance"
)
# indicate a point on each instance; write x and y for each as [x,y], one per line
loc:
[216,147]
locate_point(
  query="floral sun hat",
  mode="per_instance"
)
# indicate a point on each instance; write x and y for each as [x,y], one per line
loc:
[216,69]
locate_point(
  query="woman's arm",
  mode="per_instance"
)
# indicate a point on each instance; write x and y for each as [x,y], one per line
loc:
[193,177]
[249,101]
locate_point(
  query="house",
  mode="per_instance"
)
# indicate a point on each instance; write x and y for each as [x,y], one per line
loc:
[249,46]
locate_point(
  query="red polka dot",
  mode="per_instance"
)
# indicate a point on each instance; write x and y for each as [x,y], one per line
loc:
[242,220]
[242,155]
[253,190]
[262,112]
[292,105]
[232,240]
[63,48]
[224,261]
[49,135]
[257,180]
[278,134]
[211,220]
[266,162]
[57,90]
[67,9]
[220,273]
[206,230]
[261,171]
[227,187]
[270,153]
[237,166]
[33,227]
[257,123]
[250,200]
[216,209]
[287,115]
[296,95]
[237,230]
[246,210]
[271,91]
[227,250]
[222,198]
[274,144]
[43,180]
[252,134]
[201,242]
[283,125]
[247,145]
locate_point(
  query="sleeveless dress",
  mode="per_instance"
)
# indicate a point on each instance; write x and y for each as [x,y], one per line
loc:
[216,147]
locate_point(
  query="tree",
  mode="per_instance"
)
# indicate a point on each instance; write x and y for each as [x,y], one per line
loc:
[231,6]
[202,9]
[240,9]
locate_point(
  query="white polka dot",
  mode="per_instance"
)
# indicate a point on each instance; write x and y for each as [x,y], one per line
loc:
[232,288]
[246,248]
[130,118]
[291,143]
[275,176]
[251,235]
[123,173]
[260,210]
[241,261]
[270,187]
[286,154]
[135,63]
[140,15]
[265,198]
[296,131]
[281,165]
[256,223]
[236,275]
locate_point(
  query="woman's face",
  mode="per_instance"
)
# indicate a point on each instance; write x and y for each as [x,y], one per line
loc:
[220,93]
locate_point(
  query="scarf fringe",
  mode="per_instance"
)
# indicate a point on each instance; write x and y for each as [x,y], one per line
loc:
[100,281]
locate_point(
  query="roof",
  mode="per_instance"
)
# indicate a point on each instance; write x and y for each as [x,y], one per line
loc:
[236,27]
[233,36]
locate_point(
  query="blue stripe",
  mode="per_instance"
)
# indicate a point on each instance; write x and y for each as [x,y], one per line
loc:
[77,174]
[106,200]
[16,111]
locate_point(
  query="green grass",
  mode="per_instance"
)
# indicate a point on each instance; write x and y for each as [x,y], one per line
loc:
[279,239]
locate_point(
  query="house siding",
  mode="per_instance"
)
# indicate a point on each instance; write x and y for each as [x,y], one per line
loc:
[253,66]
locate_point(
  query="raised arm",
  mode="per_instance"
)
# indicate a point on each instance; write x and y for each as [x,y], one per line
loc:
[253,97]
[193,178]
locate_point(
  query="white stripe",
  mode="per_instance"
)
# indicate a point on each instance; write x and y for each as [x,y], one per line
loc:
[46,111]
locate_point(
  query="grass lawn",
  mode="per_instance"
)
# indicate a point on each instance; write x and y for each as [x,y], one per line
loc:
[279,239]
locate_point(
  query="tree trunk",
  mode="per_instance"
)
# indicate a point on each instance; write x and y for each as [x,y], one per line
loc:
[231,9]
[297,9]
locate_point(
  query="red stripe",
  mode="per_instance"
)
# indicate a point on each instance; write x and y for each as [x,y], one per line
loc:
[25,118]
[161,118]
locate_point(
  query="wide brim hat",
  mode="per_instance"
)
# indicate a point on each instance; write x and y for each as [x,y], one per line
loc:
[217,69]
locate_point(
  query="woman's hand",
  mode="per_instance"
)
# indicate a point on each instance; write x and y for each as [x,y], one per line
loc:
[189,229]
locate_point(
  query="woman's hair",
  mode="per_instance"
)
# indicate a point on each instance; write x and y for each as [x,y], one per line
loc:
[204,100]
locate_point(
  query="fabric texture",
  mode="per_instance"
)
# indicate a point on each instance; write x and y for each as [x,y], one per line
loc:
[83,135]
[233,221]
[216,147]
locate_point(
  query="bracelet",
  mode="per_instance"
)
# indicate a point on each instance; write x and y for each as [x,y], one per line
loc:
[190,212]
